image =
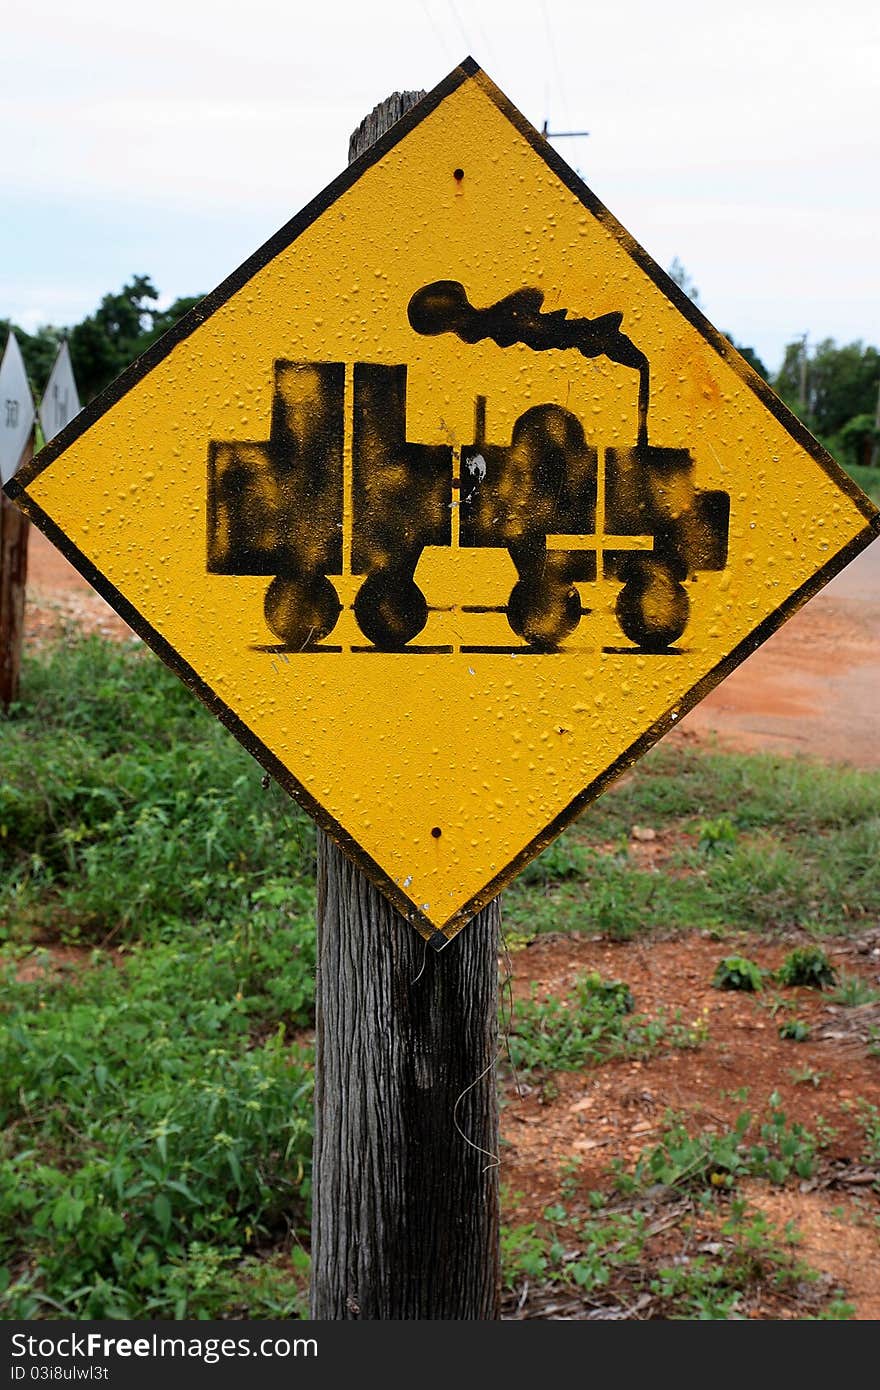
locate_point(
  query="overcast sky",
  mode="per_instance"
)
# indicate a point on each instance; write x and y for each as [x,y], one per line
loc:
[172,138]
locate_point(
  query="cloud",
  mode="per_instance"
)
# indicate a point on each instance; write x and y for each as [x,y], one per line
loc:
[174,138]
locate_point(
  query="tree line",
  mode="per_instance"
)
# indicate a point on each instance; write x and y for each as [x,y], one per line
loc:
[834,390]
[103,343]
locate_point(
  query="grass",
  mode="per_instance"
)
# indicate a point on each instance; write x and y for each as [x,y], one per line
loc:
[852,991]
[591,1023]
[755,842]
[155,1098]
[675,1238]
[156,1105]
[126,811]
[156,1124]
[868,480]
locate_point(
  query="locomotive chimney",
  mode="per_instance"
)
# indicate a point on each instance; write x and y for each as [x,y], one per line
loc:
[479,420]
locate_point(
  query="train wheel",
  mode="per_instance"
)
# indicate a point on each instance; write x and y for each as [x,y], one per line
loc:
[390,609]
[301,611]
[653,607]
[543,612]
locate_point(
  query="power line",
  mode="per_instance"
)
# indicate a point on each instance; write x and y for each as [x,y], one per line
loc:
[554,56]
[461,29]
[488,47]
[438,32]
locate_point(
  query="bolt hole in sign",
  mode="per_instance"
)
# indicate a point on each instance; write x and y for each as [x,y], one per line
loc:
[448,503]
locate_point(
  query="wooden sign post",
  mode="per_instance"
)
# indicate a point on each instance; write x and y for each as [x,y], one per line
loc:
[14,528]
[16,450]
[405,1171]
[405,1175]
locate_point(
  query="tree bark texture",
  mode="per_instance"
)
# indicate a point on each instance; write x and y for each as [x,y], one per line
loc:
[380,119]
[405,1209]
[14,528]
[405,1178]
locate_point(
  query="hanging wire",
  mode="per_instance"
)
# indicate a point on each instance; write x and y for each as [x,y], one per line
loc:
[438,32]
[554,58]
[494,1159]
[424,963]
[461,29]
[505,987]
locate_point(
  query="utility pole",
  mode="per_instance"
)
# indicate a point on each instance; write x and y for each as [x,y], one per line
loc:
[802,388]
[405,1176]
[561,134]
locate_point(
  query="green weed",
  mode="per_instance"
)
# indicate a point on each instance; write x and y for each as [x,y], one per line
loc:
[126,810]
[607,1253]
[560,861]
[794,1030]
[146,1135]
[717,836]
[156,1112]
[768,1147]
[869,1118]
[806,1076]
[672,787]
[593,1021]
[738,972]
[853,991]
[807,966]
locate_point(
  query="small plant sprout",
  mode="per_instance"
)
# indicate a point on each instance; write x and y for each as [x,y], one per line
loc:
[794,1029]
[698,1030]
[738,972]
[717,836]
[569,1177]
[808,966]
[852,991]
[806,1076]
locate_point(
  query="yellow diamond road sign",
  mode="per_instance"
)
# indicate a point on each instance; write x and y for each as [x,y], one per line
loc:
[448,503]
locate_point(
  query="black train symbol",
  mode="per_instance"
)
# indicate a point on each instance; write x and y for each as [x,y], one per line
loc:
[275,508]
[544,484]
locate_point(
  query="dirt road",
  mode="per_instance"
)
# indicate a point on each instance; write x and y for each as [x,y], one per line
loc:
[814,686]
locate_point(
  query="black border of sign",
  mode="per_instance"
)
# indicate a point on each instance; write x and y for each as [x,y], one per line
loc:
[16,489]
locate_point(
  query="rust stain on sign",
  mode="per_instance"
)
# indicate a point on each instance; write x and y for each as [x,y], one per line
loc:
[448,503]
